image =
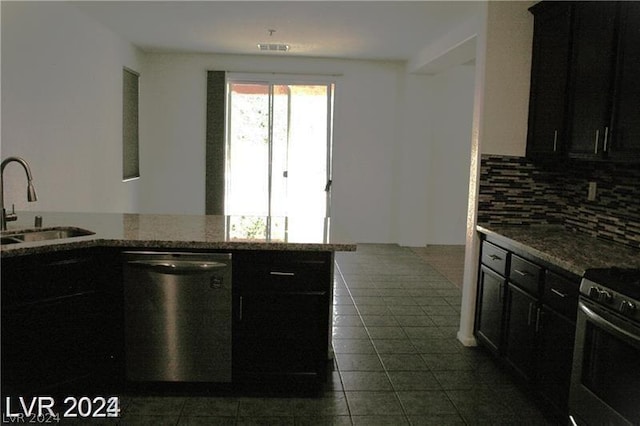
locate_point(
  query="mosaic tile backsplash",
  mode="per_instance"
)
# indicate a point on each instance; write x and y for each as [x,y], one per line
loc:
[517,191]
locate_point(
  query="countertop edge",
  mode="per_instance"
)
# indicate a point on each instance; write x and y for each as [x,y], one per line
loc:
[569,250]
[26,249]
[176,232]
[561,263]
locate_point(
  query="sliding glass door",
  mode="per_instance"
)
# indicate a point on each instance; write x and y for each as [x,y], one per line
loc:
[278,149]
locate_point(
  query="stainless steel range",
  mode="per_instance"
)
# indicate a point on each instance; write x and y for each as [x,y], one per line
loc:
[605,380]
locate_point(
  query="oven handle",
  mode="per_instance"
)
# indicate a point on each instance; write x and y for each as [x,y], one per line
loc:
[607,325]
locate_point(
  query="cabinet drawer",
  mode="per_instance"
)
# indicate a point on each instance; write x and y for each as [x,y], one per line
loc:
[27,281]
[561,294]
[282,272]
[494,257]
[525,274]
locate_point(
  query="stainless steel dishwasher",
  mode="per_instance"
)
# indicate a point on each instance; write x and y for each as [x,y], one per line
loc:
[177,316]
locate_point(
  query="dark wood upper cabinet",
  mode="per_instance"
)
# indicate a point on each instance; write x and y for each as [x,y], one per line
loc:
[585,96]
[549,77]
[592,70]
[624,140]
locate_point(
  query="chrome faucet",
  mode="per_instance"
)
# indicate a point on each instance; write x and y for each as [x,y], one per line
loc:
[31,192]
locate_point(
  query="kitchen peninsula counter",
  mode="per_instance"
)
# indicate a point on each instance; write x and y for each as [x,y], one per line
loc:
[69,295]
[570,250]
[196,232]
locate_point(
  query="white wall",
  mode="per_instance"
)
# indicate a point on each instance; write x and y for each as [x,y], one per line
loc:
[387,148]
[433,157]
[62,108]
[174,125]
[413,156]
[507,78]
[448,179]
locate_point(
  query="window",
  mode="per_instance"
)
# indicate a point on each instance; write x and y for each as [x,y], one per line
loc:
[269,144]
[278,148]
[130,150]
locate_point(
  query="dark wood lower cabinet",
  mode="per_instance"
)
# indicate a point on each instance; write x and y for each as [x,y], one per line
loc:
[490,308]
[63,321]
[61,324]
[555,355]
[533,337]
[520,344]
[281,336]
[282,302]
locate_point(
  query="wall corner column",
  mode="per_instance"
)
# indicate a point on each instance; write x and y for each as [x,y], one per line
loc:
[469,289]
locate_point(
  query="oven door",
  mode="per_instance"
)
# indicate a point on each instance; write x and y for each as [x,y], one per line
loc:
[605,380]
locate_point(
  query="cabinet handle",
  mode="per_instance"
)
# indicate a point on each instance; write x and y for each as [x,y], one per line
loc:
[538,319]
[282,274]
[558,293]
[495,257]
[597,137]
[606,139]
[73,261]
[555,140]
[529,315]
[523,273]
[240,313]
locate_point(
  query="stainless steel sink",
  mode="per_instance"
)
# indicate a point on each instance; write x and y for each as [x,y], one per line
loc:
[56,233]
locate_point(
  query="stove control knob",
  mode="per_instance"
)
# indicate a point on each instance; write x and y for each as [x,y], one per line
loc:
[594,292]
[605,296]
[627,307]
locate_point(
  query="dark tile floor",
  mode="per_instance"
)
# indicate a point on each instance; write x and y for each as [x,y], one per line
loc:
[397,361]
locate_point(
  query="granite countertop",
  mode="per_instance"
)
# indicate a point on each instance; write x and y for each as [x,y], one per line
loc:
[179,232]
[570,250]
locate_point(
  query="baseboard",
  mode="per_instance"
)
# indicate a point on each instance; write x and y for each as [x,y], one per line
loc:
[466,340]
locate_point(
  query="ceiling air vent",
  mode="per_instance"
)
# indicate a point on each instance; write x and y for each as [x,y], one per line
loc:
[273,47]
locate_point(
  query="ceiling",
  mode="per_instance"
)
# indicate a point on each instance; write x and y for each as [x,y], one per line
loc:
[379,30]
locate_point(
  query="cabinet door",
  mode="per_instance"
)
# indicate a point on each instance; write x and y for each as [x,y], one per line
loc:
[280,334]
[61,323]
[625,135]
[521,320]
[281,305]
[490,308]
[593,56]
[555,356]
[47,347]
[549,73]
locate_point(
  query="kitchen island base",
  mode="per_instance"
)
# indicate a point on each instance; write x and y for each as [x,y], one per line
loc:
[281,304]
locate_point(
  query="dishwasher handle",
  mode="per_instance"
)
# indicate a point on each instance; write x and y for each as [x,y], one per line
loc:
[177,267]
